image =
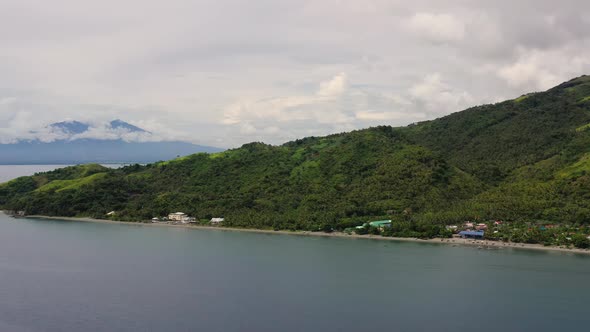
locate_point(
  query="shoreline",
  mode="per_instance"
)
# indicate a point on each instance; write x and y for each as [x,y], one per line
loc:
[480,244]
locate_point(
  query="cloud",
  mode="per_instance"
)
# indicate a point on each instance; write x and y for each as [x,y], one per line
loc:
[543,69]
[438,28]
[527,72]
[376,116]
[22,126]
[319,107]
[338,105]
[226,72]
[435,96]
[334,87]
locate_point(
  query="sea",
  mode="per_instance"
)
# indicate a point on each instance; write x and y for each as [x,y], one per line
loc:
[80,276]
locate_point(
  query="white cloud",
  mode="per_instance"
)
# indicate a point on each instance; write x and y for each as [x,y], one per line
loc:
[225,72]
[22,127]
[376,116]
[543,69]
[247,129]
[436,96]
[7,100]
[319,107]
[438,28]
[526,72]
[334,87]
[338,105]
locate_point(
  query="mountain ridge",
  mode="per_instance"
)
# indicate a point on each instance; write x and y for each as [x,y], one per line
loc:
[525,159]
[70,127]
[75,142]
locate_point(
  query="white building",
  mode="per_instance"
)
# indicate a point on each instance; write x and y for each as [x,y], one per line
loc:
[481,227]
[177,216]
[217,221]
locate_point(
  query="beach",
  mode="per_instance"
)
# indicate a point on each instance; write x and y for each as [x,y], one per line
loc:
[479,244]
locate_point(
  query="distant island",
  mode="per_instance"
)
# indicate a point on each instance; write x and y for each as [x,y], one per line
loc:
[524,162]
[75,142]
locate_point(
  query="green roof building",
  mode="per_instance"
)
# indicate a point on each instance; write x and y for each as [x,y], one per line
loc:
[380,223]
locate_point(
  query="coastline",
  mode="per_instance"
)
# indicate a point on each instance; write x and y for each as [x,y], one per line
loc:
[480,244]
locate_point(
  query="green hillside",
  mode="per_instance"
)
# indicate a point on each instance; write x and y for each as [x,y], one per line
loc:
[525,159]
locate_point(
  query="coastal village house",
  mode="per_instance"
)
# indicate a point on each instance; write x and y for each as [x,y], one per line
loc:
[177,216]
[381,224]
[480,227]
[471,234]
[16,213]
[182,217]
[217,221]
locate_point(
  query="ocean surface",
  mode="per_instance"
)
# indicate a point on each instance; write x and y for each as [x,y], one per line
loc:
[77,276]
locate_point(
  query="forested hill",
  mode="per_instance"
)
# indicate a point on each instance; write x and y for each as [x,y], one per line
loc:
[524,159]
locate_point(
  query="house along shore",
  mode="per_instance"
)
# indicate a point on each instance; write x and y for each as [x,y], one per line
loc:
[479,244]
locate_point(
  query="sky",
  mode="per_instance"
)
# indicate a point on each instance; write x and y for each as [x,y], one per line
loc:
[228,72]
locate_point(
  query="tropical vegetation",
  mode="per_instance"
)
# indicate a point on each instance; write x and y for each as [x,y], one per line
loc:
[525,160]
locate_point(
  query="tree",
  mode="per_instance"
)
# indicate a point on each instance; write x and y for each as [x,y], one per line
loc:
[580,241]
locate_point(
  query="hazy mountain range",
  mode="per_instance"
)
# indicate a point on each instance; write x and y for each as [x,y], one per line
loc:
[73,142]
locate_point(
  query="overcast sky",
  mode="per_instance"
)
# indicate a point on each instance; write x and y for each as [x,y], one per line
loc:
[227,72]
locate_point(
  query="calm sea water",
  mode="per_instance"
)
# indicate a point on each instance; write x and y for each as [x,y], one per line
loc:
[74,276]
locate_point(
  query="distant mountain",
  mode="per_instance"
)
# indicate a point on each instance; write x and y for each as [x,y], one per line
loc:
[118,124]
[75,142]
[70,127]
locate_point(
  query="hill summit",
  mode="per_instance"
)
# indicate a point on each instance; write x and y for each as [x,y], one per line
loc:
[526,159]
